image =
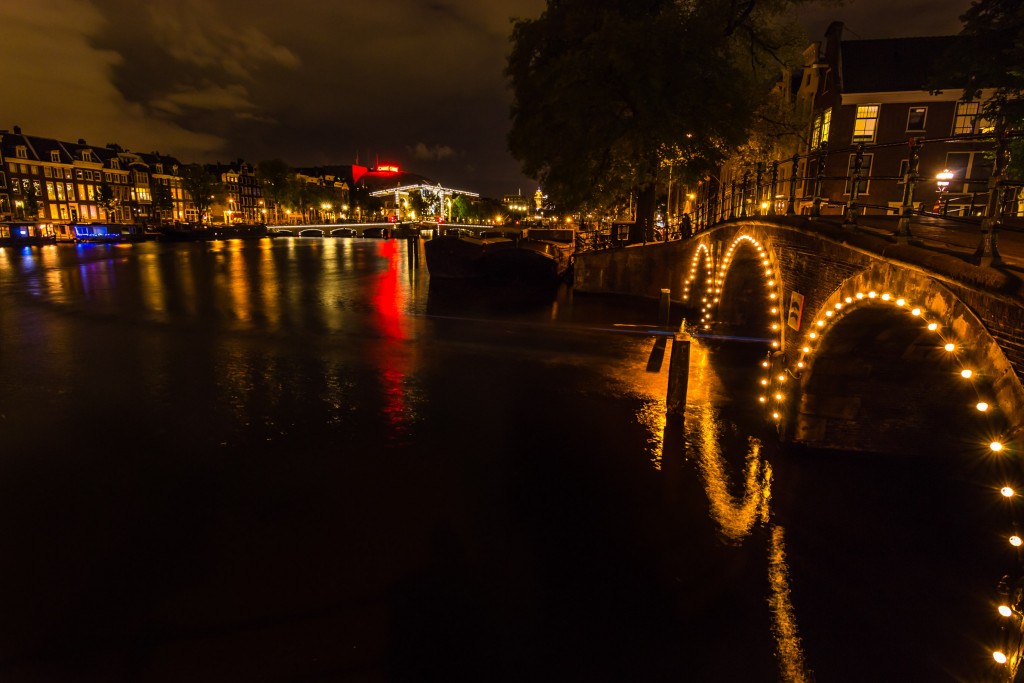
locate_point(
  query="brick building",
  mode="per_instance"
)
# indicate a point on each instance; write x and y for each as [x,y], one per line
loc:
[878,94]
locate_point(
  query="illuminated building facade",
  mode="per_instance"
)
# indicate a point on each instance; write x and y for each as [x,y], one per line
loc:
[242,200]
[57,182]
[879,94]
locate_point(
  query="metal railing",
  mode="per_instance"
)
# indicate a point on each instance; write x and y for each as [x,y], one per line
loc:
[796,186]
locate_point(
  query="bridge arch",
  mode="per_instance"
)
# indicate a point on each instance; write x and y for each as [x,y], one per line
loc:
[311,232]
[699,287]
[891,352]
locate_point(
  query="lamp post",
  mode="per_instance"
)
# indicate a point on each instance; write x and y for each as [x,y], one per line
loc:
[942,180]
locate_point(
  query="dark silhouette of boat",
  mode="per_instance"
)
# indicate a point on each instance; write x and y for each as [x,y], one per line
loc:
[542,256]
[458,255]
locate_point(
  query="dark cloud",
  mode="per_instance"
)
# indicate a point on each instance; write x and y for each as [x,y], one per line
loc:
[414,83]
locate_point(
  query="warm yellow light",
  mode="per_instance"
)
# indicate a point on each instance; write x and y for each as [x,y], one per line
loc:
[829,314]
[764,364]
[778,397]
[966,373]
[775,326]
[950,347]
[996,446]
[1016,542]
[821,323]
[839,306]
[1006,491]
[775,311]
[860,295]
[886,297]
[1005,611]
[781,378]
[901,302]
[764,382]
[806,349]
[982,406]
[872,295]
[933,326]
[813,335]
[800,364]
[916,311]
[762,399]
[999,657]
[849,300]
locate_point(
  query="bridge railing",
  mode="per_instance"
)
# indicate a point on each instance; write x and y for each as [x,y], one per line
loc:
[802,185]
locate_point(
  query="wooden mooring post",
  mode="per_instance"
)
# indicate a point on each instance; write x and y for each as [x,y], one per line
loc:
[678,375]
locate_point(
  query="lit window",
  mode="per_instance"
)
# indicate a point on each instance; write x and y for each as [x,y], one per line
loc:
[966,118]
[822,123]
[916,118]
[866,123]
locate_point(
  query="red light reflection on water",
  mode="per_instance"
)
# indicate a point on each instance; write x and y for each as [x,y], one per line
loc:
[390,354]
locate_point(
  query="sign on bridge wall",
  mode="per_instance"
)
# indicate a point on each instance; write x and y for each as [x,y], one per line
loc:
[796,310]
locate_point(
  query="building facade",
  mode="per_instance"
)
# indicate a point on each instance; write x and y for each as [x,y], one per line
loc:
[884,102]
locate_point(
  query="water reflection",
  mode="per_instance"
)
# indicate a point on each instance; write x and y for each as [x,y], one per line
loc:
[735,517]
[392,354]
[788,646]
[737,513]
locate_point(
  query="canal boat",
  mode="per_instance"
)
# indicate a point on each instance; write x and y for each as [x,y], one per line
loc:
[454,255]
[19,233]
[542,256]
[183,232]
[236,231]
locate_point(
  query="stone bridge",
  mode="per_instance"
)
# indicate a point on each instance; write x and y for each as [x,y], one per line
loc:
[870,344]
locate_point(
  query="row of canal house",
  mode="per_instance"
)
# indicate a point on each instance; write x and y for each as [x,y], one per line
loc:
[49,186]
[877,95]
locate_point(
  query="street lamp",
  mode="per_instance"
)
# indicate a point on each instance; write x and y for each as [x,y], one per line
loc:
[942,180]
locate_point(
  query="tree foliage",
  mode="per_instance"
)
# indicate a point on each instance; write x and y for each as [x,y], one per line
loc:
[275,177]
[107,199]
[162,199]
[990,55]
[607,92]
[201,186]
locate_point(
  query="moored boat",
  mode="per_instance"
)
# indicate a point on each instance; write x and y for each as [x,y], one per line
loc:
[541,257]
[457,256]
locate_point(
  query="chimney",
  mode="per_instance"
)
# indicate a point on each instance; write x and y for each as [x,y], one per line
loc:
[82,141]
[17,130]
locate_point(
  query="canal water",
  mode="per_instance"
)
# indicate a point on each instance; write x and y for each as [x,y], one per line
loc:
[300,460]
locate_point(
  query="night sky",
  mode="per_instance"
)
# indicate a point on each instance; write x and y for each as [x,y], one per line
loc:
[410,82]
